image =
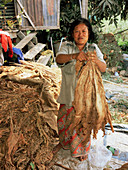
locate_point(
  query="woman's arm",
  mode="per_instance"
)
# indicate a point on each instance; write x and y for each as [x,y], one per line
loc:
[101,65]
[64,58]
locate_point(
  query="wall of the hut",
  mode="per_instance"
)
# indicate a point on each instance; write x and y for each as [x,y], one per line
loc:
[43,14]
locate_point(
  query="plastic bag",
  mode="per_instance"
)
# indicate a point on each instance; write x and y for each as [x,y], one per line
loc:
[99,155]
[83,165]
[123,156]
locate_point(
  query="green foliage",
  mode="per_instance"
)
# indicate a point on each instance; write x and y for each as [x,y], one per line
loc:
[122,102]
[125,43]
[120,33]
[5,2]
[107,9]
[118,80]
[119,110]
[112,52]
[107,76]
[10,23]
[124,46]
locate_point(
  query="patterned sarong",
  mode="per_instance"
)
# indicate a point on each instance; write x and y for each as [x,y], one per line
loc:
[74,142]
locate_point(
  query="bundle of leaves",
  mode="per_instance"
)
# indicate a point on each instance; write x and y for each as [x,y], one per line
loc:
[24,135]
[28,109]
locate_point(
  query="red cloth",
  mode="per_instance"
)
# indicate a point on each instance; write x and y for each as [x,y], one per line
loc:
[68,141]
[6,42]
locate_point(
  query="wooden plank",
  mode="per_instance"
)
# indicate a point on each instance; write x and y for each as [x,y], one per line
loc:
[58,14]
[21,36]
[31,11]
[34,51]
[12,34]
[25,40]
[44,59]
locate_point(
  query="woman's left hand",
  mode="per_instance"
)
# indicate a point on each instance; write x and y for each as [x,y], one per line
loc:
[92,56]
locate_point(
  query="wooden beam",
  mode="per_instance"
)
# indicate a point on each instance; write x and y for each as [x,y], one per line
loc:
[25,28]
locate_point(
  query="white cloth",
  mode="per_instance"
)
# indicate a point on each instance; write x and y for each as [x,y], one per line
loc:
[4,32]
[1,56]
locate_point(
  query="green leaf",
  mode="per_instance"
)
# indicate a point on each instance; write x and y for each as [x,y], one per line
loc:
[32,165]
[2,5]
[102,2]
[109,5]
[113,2]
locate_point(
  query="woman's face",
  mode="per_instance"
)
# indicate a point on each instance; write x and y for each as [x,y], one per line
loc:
[81,34]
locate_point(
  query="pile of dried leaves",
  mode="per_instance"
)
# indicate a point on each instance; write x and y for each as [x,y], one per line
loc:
[28,110]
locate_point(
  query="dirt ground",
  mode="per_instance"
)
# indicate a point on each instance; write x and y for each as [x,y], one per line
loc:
[117,94]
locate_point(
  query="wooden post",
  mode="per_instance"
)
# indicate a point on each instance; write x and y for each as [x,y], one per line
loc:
[85,9]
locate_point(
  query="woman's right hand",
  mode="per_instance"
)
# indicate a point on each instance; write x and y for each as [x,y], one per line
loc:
[82,56]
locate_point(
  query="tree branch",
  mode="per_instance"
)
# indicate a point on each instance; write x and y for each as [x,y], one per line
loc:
[121,31]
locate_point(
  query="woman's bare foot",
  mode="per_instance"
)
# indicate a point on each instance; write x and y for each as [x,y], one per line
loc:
[83,158]
[56,148]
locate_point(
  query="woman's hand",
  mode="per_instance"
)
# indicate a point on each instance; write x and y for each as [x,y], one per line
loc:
[93,57]
[82,56]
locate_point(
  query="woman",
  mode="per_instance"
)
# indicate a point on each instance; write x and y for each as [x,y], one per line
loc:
[69,53]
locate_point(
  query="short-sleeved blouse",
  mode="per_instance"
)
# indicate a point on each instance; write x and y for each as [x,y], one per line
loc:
[69,78]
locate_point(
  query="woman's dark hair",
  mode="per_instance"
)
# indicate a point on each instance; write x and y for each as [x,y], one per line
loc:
[87,23]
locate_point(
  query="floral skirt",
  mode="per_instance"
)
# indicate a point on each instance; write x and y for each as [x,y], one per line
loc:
[72,142]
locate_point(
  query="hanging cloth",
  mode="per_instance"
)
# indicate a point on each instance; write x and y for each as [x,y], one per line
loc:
[6,42]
